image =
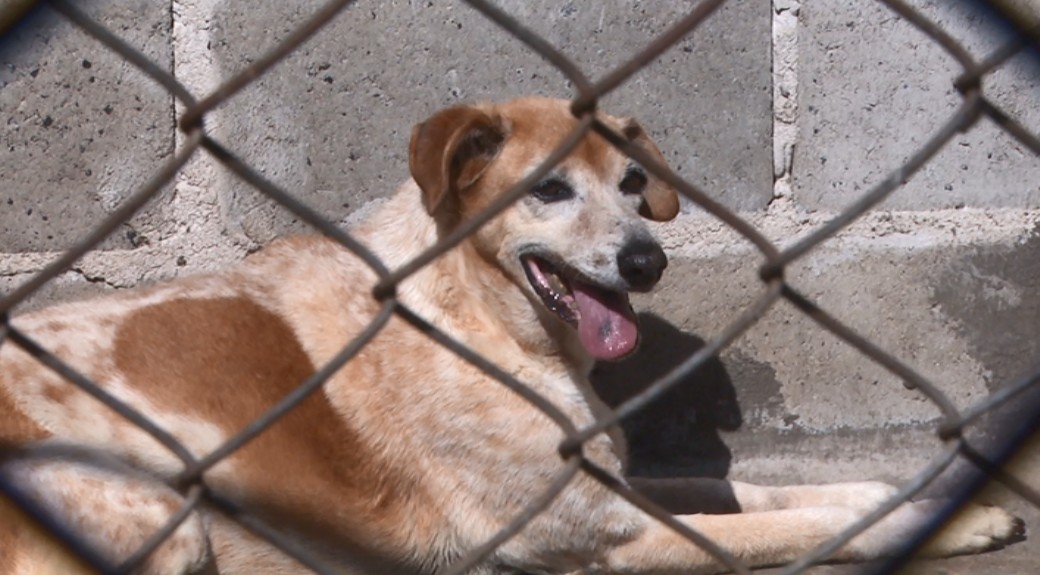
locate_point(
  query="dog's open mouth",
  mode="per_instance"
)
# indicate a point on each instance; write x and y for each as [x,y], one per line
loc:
[604,318]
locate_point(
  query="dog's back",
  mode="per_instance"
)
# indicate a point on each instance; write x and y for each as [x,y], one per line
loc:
[203,358]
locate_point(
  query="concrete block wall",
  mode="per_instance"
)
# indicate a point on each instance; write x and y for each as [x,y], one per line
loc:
[784,112]
[82,128]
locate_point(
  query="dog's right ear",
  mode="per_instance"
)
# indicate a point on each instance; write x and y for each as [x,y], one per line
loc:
[451,150]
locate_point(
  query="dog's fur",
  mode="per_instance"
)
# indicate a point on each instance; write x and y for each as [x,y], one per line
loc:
[408,456]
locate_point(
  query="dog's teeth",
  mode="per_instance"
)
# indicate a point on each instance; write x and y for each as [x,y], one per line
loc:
[556,283]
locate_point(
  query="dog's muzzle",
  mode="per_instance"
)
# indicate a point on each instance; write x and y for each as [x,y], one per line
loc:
[603,317]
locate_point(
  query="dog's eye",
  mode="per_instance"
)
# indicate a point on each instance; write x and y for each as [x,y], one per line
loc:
[634,182]
[552,191]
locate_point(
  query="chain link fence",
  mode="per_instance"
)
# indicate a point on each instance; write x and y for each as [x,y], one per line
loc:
[987,459]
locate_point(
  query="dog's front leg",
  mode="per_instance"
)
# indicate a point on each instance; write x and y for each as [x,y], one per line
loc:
[778,537]
[692,495]
[114,510]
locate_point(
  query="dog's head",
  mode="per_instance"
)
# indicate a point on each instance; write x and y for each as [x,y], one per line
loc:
[577,243]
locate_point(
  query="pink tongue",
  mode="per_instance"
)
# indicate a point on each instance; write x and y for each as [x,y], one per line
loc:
[607,327]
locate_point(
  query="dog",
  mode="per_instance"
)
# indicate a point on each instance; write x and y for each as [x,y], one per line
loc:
[408,456]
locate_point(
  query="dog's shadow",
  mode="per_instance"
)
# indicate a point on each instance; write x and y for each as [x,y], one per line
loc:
[676,456]
[678,434]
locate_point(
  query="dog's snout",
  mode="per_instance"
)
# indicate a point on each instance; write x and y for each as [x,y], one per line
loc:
[641,263]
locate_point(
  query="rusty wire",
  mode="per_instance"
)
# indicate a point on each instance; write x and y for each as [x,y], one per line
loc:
[974,107]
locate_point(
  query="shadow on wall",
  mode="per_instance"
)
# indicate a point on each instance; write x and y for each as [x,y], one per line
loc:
[992,296]
[678,434]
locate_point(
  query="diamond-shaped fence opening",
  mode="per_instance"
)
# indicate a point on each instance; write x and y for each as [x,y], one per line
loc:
[1012,407]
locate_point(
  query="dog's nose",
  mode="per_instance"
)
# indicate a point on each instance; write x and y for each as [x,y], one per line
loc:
[641,263]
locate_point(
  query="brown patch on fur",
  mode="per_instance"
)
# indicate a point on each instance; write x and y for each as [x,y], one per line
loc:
[59,392]
[548,122]
[15,426]
[55,326]
[227,361]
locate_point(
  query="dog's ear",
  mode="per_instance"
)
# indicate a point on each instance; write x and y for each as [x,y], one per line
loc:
[660,201]
[450,151]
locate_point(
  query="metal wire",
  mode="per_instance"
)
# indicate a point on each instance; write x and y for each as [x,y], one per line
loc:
[950,430]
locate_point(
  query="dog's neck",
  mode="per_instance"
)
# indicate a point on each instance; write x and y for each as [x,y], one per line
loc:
[463,284]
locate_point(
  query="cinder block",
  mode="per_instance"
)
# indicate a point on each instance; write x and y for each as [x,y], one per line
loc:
[872,89]
[331,123]
[82,129]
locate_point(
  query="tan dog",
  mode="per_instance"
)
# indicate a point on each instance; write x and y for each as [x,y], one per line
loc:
[408,456]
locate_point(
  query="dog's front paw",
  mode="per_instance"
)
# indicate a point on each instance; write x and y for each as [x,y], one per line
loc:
[974,529]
